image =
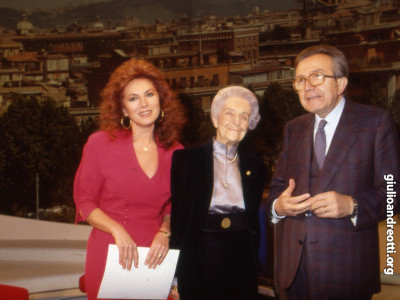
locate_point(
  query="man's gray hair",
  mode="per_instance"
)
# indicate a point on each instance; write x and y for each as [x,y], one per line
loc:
[339,60]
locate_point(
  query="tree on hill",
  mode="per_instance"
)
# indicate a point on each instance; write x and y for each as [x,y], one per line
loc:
[373,95]
[278,105]
[37,138]
[394,107]
[198,128]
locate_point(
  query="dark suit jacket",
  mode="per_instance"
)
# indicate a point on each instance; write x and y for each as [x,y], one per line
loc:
[344,257]
[191,191]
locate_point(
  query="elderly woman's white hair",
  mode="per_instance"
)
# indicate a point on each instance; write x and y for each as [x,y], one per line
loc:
[236,91]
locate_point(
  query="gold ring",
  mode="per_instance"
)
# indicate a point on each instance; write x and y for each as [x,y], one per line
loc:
[160,255]
[325,210]
[175,287]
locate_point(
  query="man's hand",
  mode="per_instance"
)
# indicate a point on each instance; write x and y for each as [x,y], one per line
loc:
[332,205]
[286,205]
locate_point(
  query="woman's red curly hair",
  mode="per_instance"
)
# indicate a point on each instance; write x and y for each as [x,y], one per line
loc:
[167,130]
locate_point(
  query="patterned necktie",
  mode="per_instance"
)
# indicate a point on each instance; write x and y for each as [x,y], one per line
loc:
[320,144]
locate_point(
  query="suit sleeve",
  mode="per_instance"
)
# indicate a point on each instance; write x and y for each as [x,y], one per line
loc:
[279,182]
[372,204]
[258,188]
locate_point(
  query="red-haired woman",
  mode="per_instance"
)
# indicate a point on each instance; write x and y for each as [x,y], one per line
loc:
[122,186]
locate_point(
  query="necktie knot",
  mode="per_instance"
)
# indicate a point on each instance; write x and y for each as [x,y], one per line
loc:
[321,124]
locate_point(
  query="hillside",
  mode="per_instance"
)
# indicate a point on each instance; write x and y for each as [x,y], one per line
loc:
[146,11]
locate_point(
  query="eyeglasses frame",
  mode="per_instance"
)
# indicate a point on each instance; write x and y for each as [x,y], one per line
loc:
[308,78]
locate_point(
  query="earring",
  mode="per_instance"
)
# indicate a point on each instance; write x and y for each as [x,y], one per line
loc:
[123,123]
[162,114]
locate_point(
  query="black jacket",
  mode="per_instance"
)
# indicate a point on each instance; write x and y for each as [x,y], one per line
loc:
[191,191]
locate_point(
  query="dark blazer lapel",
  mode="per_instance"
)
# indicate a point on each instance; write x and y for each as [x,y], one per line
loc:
[247,168]
[343,139]
[208,174]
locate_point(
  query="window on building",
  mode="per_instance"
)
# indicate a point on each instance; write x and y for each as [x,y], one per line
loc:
[192,81]
[200,81]
[182,83]
[215,80]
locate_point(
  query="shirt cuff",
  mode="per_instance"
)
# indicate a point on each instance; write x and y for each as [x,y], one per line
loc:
[275,217]
[354,220]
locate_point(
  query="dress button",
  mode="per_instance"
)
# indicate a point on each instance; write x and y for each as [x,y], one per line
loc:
[300,242]
[126,217]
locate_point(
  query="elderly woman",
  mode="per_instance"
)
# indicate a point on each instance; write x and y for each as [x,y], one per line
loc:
[215,194]
[122,186]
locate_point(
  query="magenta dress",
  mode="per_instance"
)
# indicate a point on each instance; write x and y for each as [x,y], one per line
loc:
[110,178]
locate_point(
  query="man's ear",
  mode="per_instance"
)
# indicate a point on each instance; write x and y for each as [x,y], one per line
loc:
[342,83]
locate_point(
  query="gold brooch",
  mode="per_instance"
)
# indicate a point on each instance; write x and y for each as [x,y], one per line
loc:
[248,173]
[226,223]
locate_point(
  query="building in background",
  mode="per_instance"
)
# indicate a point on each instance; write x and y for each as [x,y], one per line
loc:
[201,55]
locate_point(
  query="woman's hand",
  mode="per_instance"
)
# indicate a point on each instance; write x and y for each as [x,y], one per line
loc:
[127,248]
[158,250]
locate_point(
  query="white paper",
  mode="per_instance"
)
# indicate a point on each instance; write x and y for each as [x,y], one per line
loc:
[138,283]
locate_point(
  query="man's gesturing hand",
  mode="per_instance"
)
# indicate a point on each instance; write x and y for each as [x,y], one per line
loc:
[286,205]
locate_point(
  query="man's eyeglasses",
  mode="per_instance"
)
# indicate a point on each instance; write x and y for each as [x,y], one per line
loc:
[314,79]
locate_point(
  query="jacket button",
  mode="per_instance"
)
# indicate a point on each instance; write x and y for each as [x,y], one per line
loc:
[300,242]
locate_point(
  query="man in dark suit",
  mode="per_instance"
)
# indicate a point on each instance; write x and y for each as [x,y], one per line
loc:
[329,190]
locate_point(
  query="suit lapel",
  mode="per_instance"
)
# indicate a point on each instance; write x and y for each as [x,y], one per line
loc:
[208,175]
[303,147]
[247,169]
[342,141]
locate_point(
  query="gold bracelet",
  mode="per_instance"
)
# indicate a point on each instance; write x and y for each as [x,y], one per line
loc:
[166,233]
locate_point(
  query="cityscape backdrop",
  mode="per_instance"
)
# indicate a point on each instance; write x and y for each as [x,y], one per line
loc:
[56,56]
